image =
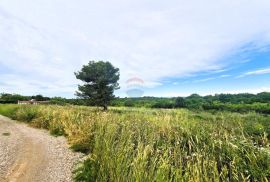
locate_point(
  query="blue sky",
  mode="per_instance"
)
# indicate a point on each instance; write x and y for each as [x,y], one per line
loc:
[250,72]
[175,47]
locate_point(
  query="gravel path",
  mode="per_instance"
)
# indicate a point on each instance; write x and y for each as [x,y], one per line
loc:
[29,154]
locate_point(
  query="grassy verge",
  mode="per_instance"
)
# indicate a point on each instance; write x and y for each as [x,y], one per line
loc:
[158,145]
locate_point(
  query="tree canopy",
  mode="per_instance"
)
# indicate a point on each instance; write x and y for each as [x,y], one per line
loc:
[100,80]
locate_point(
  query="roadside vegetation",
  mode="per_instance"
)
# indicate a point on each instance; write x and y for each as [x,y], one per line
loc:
[139,144]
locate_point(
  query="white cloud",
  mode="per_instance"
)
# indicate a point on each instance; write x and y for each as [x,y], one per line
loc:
[48,40]
[205,80]
[256,72]
[14,84]
[150,84]
[225,76]
[211,78]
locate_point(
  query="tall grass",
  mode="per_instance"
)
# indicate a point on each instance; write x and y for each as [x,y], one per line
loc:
[158,145]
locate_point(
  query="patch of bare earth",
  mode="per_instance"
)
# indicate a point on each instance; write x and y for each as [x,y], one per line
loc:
[28,154]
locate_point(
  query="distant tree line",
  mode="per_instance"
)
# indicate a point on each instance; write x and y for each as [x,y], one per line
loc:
[14,98]
[6,98]
[220,102]
[223,102]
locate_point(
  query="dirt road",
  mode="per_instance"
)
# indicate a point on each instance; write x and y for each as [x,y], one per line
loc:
[28,154]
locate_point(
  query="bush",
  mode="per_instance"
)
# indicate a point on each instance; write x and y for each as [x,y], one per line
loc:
[9,110]
[26,114]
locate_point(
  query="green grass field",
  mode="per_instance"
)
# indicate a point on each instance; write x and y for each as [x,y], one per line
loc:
[129,144]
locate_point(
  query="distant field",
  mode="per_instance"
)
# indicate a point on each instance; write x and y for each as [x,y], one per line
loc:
[137,144]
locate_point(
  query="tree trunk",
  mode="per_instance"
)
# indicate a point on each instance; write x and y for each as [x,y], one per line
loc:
[105,108]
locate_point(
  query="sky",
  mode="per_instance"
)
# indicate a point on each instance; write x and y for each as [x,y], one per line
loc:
[174,47]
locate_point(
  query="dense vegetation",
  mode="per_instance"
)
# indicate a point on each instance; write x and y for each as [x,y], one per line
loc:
[138,144]
[220,102]
[6,98]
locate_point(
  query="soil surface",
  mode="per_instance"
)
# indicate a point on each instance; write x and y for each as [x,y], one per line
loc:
[28,154]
